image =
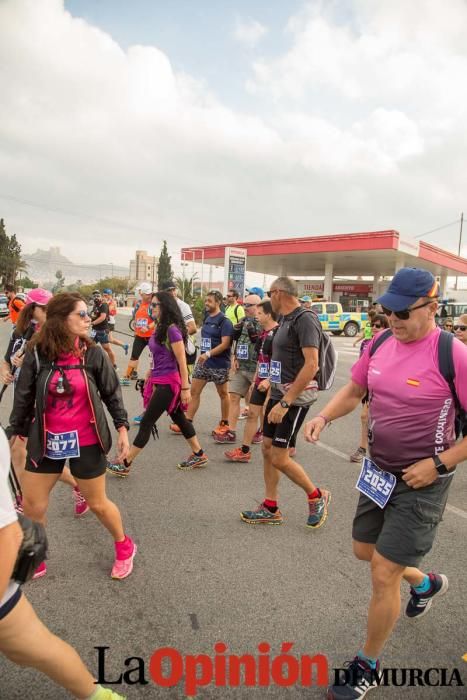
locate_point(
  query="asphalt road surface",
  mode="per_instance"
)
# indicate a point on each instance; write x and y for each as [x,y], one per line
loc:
[203,576]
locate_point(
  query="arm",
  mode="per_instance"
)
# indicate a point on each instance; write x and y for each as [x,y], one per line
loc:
[25,398]
[109,388]
[11,537]
[6,376]
[342,403]
[306,374]
[178,349]
[98,320]
[191,327]
[223,345]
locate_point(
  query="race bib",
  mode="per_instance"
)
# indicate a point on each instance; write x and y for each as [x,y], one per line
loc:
[92,333]
[62,445]
[142,323]
[375,483]
[205,344]
[242,352]
[263,370]
[275,371]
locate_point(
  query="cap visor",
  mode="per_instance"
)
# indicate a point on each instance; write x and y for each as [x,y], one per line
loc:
[396,302]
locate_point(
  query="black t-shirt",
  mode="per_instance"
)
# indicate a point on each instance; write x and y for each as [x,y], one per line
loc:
[100,308]
[291,336]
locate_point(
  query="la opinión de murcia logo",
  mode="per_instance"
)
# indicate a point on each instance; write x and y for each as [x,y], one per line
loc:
[167,667]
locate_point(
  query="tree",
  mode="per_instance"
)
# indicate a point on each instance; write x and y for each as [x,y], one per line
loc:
[186,287]
[164,268]
[60,283]
[11,262]
[26,283]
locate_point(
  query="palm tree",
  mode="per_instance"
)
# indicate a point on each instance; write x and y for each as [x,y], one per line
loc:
[185,287]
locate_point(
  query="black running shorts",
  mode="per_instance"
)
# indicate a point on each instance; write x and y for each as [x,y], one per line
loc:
[282,433]
[91,463]
[138,346]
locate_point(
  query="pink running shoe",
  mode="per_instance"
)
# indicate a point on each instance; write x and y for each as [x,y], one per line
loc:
[124,554]
[40,571]
[257,437]
[81,505]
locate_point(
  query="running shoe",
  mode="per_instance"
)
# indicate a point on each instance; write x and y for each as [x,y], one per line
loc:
[107,694]
[81,505]
[358,455]
[318,510]
[193,462]
[123,567]
[138,419]
[257,437]
[40,571]
[220,426]
[118,469]
[19,504]
[261,516]
[134,375]
[243,414]
[237,455]
[125,348]
[360,679]
[175,429]
[420,603]
[225,436]
[125,381]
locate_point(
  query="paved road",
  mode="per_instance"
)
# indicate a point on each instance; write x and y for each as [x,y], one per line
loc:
[203,576]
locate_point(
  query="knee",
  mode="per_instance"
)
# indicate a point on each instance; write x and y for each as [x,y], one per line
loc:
[279,460]
[34,509]
[98,506]
[266,449]
[383,576]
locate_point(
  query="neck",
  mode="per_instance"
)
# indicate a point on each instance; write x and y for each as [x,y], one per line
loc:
[215,312]
[289,305]
[270,325]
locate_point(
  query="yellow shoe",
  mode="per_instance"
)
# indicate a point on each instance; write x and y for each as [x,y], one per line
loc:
[102,693]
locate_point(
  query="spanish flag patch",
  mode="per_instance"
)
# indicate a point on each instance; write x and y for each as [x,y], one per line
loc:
[413,382]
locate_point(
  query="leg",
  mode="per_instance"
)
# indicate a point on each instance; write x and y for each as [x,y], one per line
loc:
[234,410]
[114,341]
[384,605]
[36,490]
[197,386]
[365,551]
[110,353]
[105,510]
[161,399]
[295,472]
[18,458]
[223,392]
[187,428]
[251,425]
[66,477]
[27,642]
[271,475]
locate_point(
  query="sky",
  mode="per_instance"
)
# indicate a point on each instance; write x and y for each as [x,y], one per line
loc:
[127,123]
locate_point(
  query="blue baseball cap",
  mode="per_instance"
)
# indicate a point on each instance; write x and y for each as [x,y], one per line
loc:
[305,298]
[407,286]
[256,290]
[107,291]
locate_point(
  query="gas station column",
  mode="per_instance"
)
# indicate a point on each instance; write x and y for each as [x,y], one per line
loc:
[328,277]
[443,281]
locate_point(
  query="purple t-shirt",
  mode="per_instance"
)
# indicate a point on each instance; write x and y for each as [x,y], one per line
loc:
[411,409]
[163,359]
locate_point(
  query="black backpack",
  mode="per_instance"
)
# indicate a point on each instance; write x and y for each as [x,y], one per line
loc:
[327,354]
[446,368]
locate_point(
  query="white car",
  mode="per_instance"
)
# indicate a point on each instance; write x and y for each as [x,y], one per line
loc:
[3,305]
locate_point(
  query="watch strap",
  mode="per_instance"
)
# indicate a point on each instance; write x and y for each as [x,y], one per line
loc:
[440,467]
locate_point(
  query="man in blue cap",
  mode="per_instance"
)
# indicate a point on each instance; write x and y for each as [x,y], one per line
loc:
[413,454]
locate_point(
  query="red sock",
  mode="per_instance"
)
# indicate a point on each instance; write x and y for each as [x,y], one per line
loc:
[316,494]
[270,504]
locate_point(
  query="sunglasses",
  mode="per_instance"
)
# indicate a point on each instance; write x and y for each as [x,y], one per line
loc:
[271,291]
[376,325]
[82,314]
[447,325]
[460,328]
[248,306]
[155,304]
[405,313]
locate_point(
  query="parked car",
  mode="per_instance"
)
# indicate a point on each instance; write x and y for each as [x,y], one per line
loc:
[334,319]
[3,305]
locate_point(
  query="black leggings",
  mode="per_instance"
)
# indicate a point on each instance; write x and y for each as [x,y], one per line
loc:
[160,401]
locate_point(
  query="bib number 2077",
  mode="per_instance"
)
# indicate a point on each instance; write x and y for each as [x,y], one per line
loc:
[62,445]
[375,483]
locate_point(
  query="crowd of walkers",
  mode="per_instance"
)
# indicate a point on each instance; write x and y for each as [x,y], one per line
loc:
[271,353]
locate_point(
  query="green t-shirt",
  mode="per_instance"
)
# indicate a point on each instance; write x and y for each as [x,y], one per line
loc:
[234,313]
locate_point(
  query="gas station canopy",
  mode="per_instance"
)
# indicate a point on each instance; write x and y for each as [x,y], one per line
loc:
[377,253]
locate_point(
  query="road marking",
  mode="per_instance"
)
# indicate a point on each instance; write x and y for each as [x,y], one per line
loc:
[338,453]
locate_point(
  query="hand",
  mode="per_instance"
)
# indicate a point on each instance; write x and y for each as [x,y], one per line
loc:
[277,413]
[123,446]
[420,474]
[202,359]
[235,365]
[17,361]
[313,428]
[5,376]
[264,386]
[185,395]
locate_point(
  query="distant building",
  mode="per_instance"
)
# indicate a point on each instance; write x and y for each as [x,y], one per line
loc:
[144,268]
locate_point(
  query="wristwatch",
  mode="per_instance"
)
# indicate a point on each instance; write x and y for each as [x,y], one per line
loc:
[441,468]
[284,404]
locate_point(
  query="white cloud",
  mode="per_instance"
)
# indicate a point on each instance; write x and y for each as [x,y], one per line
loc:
[362,127]
[249,32]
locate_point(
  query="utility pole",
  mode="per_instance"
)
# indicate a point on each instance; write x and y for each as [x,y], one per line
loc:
[460,242]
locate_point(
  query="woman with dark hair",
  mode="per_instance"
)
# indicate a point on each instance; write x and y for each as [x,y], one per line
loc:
[166,387]
[32,316]
[58,407]
[378,323]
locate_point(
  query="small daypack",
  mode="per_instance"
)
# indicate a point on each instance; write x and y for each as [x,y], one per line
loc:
[327,355]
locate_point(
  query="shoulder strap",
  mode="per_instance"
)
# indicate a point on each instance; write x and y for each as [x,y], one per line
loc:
[382,337]
[446,364]
[236,311]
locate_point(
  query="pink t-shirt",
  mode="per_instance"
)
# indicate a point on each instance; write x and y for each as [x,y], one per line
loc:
[411,409]
[65,412]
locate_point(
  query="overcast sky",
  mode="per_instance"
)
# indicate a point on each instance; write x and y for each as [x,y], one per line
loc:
[203,121]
